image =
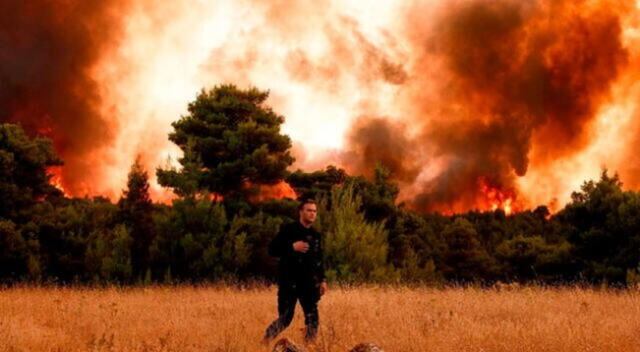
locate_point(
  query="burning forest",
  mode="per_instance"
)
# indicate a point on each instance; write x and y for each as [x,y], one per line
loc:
[469,104]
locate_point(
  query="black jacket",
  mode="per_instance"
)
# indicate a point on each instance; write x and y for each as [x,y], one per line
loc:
[295,266]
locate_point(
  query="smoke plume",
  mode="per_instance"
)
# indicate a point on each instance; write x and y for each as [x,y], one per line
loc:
[478,104]
[517,83]
[47,52]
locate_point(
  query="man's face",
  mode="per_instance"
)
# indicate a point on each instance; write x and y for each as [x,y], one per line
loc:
[308,213]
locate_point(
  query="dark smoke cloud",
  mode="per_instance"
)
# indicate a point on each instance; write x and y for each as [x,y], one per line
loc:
[376,140]
[476,153]
[47,51]
[513,77]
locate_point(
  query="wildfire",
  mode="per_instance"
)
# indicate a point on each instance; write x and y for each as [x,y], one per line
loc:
[496,198]
[55,178]
[470,104]
[280,190]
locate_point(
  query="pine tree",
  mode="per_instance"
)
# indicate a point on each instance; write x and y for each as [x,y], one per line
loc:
[231,145]
[465,259]
[355,249]
[136,210]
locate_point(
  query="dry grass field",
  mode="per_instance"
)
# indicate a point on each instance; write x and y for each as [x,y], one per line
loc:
[398,319]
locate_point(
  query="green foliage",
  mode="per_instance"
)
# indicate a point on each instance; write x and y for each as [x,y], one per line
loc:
[108,255]
[355,249]
[246,242]
[416,269]
[118,263]
[379,196]
[23,172]
[13,261]
[603,224]
[231,143]
[532,258]
[317,184]
[283,209]
[136,212]
[633,276]
[189,238]
[415,247]
[465,260]
[64,232]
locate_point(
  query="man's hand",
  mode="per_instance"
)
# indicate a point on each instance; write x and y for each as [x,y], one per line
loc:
[301,246]
[323,288]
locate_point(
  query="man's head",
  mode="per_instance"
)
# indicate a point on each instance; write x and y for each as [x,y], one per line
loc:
[308,211]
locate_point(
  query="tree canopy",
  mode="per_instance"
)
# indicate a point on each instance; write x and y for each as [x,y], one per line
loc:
[24,176]
[231,142]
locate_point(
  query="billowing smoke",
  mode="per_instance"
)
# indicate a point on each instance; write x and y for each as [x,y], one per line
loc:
[48,50]
[377,140]
[517,83]
[469,104]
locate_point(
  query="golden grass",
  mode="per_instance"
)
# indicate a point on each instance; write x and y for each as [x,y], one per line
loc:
[398,319]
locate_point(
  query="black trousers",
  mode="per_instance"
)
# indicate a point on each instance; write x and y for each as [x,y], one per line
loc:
[288,294]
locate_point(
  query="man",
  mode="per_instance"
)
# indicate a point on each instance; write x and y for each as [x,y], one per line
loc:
[300,272]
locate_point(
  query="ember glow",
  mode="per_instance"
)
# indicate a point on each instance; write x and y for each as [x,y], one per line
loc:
[55,178]
[280,190]
[498,198]
[471,104]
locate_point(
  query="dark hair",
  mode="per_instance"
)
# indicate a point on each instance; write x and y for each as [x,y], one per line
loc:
[306,201]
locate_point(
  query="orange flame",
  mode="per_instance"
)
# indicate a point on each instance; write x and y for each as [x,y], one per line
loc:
[334,68]
[496,198]
[55,178]
[280,190]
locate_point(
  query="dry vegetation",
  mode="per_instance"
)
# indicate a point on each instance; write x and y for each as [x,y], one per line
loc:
[398,319]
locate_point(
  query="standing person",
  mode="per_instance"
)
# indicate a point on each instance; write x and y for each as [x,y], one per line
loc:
[300,272]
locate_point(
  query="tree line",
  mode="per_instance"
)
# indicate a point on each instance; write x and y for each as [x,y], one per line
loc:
[218,228]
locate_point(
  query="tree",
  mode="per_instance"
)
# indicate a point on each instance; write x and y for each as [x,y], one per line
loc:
[23,172]
[378,196]
[245,245]
[414,247]
[189,239]
[465,259]
[231,143]
[603,223]
[355,249]
[533,258]
[66,232]
[13,261]
[117,265]
[316,184]
[136,212]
